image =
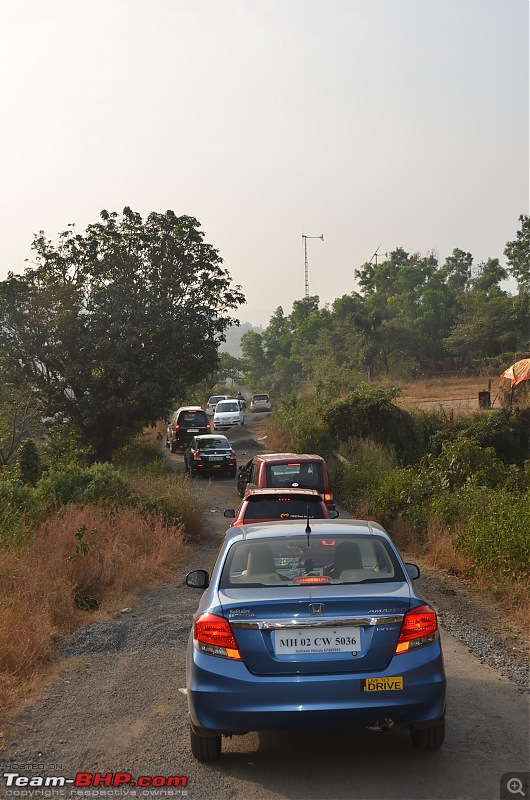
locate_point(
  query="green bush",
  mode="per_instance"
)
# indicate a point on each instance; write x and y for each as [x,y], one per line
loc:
[401,494]
[495,531]
[370,413]
[29,462]
[139,456]
[359,479]
[78,484]
[17,508]
[299,423]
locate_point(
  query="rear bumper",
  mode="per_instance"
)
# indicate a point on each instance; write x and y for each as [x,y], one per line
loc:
[224,696]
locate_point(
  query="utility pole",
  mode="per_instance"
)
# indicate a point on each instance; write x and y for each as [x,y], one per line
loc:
[305,238]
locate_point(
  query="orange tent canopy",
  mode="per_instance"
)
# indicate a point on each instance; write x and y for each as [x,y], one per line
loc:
[520,371]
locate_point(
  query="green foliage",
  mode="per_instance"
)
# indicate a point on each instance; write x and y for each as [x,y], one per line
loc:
[29,462]
[301,426]
[141,456]
[18,509]
[74,483]
[369,413]
[360,478]
[517,253]
[495,531]
[111,324]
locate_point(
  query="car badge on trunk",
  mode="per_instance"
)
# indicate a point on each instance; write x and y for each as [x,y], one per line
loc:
[316,609]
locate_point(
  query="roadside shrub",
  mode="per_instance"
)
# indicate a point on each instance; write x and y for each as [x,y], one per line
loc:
[300,426]
[370,413]
[29,462]
[174,498]
[360,478]
[78,484]
[494,531]
[17,507]
[401,494]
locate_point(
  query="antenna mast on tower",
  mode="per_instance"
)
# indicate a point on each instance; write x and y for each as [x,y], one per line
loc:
[305,238]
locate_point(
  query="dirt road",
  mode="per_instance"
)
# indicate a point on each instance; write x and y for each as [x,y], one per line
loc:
[120,708]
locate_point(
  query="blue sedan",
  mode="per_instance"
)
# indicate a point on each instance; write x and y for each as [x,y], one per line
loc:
[312,625]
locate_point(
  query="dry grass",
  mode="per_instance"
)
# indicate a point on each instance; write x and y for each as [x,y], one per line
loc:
[436,550]
[45,580]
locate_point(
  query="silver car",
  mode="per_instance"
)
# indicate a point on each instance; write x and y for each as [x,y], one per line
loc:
[261,402]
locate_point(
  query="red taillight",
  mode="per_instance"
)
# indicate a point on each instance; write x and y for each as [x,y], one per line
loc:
[419,627]
[197,456]
[233,454]
[239,522]
[328,497]
[207,424]
[213,635]
[175,426]
[313,579]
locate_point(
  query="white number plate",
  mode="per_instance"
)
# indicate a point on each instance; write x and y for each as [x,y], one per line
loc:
[297,641]
[193,430]
[216,458]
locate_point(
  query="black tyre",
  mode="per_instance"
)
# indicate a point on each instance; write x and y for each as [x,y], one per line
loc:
[241,490]
[205,748]
[167,443]
[173,447]
[428,738]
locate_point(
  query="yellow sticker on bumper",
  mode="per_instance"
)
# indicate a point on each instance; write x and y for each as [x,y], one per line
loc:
[382,684]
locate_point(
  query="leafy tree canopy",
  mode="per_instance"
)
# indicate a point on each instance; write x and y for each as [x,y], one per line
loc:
[108,326]
[518,254]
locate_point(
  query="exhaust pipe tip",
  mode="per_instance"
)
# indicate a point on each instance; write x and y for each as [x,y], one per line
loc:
[382,726]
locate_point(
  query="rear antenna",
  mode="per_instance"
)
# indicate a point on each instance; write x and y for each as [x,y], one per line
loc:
[308,527]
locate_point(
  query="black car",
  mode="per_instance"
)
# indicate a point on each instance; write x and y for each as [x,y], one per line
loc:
[186,423]
[210,453]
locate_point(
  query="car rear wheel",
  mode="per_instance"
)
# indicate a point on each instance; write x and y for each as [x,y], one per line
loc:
[173,447]
[205,748]
[428,738]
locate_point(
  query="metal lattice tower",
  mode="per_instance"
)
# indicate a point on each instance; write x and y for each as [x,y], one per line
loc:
[305,238]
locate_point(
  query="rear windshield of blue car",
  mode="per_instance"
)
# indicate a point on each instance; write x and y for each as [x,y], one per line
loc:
[313,560]
[305,475]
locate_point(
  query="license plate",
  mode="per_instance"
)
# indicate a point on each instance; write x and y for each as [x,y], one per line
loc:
[216,458]
[217,466]
[296,641]
[193,430]
[382,684]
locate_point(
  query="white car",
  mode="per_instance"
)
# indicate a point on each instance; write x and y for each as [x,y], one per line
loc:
[212,402]
[261,402]
[228,413]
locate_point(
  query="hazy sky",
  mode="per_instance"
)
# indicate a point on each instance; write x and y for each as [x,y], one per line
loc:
[375,122]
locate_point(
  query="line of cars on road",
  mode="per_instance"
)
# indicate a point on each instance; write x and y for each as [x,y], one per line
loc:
[222,413]
[308,621]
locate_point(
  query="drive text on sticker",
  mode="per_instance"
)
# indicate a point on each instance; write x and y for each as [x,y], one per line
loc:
[382,684]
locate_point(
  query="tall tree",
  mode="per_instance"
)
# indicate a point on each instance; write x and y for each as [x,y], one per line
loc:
[518,254]
[109,325]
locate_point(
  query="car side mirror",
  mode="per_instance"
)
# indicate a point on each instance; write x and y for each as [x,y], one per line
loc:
[333,514]
[198,579]
[413,570]
[229,512]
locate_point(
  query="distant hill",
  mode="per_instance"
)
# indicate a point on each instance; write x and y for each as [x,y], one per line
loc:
[233,338]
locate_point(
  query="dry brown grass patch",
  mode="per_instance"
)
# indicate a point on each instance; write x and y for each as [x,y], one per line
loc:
[45,580]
